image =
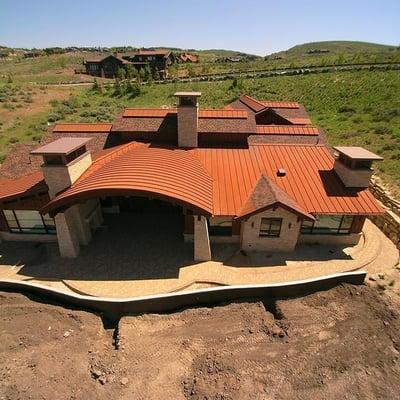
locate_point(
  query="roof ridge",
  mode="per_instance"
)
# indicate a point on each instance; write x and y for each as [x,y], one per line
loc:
[256,202]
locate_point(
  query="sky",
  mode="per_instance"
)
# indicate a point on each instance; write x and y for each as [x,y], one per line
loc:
[257,27]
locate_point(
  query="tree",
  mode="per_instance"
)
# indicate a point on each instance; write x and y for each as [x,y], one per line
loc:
[156,74]
[97,86]
[142,74]
[147,73]
[130,71]
[121,74]
[117,88]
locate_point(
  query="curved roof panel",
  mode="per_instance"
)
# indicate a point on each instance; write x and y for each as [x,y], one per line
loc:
[138,169]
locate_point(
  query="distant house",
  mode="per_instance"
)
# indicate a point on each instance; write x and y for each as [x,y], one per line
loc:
[106,66]
[187,58]
[158,60]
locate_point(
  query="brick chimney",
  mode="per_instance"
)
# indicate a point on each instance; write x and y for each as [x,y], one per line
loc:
[353,165]
[188,110]
[64,161]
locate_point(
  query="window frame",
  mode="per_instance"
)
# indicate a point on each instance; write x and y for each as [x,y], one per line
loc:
[20,229]
[312,230]
[270,232]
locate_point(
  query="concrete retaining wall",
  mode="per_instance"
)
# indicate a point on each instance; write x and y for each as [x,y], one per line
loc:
[389,223]
[114,308]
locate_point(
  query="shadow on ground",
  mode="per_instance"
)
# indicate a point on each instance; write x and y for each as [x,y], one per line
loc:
[132,246]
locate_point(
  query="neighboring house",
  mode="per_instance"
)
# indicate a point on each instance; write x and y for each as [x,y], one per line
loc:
[158,60]
[106,67]
[265,187]
[186,58]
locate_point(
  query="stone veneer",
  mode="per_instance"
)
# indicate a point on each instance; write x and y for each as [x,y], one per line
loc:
[389,223]
[290,229]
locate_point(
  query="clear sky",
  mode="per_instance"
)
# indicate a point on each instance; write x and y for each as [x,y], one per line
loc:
[258,27]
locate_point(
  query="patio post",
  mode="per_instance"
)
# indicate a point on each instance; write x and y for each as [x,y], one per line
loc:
[202,250]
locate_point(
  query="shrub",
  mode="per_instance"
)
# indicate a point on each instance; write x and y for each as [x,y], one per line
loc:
[13,140]
[382,130]
[346,109]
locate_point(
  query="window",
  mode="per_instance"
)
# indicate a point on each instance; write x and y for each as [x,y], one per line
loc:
[328,224]
[29,221]
[270,227]
[218,226]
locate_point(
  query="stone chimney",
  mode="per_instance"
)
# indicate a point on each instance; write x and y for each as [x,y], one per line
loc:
[64,161]
[188,110]
[353,165]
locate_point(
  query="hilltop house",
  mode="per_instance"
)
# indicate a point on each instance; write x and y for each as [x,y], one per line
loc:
[106,66]
[256,173]
[158,60]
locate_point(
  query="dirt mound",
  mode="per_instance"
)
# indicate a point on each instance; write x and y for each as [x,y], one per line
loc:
[342,343]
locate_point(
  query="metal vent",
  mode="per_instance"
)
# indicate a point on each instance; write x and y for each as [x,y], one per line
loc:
[281,172]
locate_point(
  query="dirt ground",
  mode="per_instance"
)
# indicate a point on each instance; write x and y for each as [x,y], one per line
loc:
[343,343]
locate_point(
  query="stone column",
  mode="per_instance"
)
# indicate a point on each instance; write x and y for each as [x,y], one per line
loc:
[202,250]
[68,239]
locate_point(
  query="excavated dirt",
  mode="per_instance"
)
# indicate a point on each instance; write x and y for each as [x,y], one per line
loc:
[343,343]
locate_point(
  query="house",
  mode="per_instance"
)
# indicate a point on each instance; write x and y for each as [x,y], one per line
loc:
[186,58]
[158,60]
[106,66]
[256,174]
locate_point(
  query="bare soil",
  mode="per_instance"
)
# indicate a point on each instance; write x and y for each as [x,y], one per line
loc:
[342,343]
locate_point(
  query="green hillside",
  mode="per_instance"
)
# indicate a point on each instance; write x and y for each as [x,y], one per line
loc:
[334,48]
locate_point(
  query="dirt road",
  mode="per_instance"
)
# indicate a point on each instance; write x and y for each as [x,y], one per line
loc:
[340,344]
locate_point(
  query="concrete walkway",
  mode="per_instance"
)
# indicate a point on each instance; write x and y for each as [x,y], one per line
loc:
[129,278]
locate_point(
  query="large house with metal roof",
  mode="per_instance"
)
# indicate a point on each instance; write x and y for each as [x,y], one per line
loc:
[255,173]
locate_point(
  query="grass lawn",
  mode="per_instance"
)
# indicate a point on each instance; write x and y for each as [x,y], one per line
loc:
[354,108]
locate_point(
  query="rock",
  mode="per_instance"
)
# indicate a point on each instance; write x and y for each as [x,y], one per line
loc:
[124,381]
[381,276]
[102,380]
[96,372]
[67,333]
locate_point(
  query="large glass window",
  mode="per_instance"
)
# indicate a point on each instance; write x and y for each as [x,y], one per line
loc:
[328,224]
[29,221]
[270,227]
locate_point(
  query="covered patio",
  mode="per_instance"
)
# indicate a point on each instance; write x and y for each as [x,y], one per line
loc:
[135,257]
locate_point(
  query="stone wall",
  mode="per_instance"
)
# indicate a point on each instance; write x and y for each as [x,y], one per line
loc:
[389,223]
[251,241]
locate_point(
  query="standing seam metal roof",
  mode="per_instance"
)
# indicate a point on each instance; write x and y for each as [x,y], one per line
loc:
[219,181]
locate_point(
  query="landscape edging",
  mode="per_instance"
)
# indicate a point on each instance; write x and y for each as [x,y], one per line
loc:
[114,308]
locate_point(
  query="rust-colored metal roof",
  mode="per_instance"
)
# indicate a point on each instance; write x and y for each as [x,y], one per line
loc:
[220,181]
[167,173]
[25,185]
[299,121]
[82,128]
[148,112]
[65,145]
[280,104]
[163,112]
[229,114]
[287,130]
[310,180]
[358,153]
[253,104]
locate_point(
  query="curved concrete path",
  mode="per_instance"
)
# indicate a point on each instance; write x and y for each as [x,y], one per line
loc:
[374,253]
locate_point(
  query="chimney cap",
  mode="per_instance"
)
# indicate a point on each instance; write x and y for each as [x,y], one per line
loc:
[188,94]
[62,146]
[357,153]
